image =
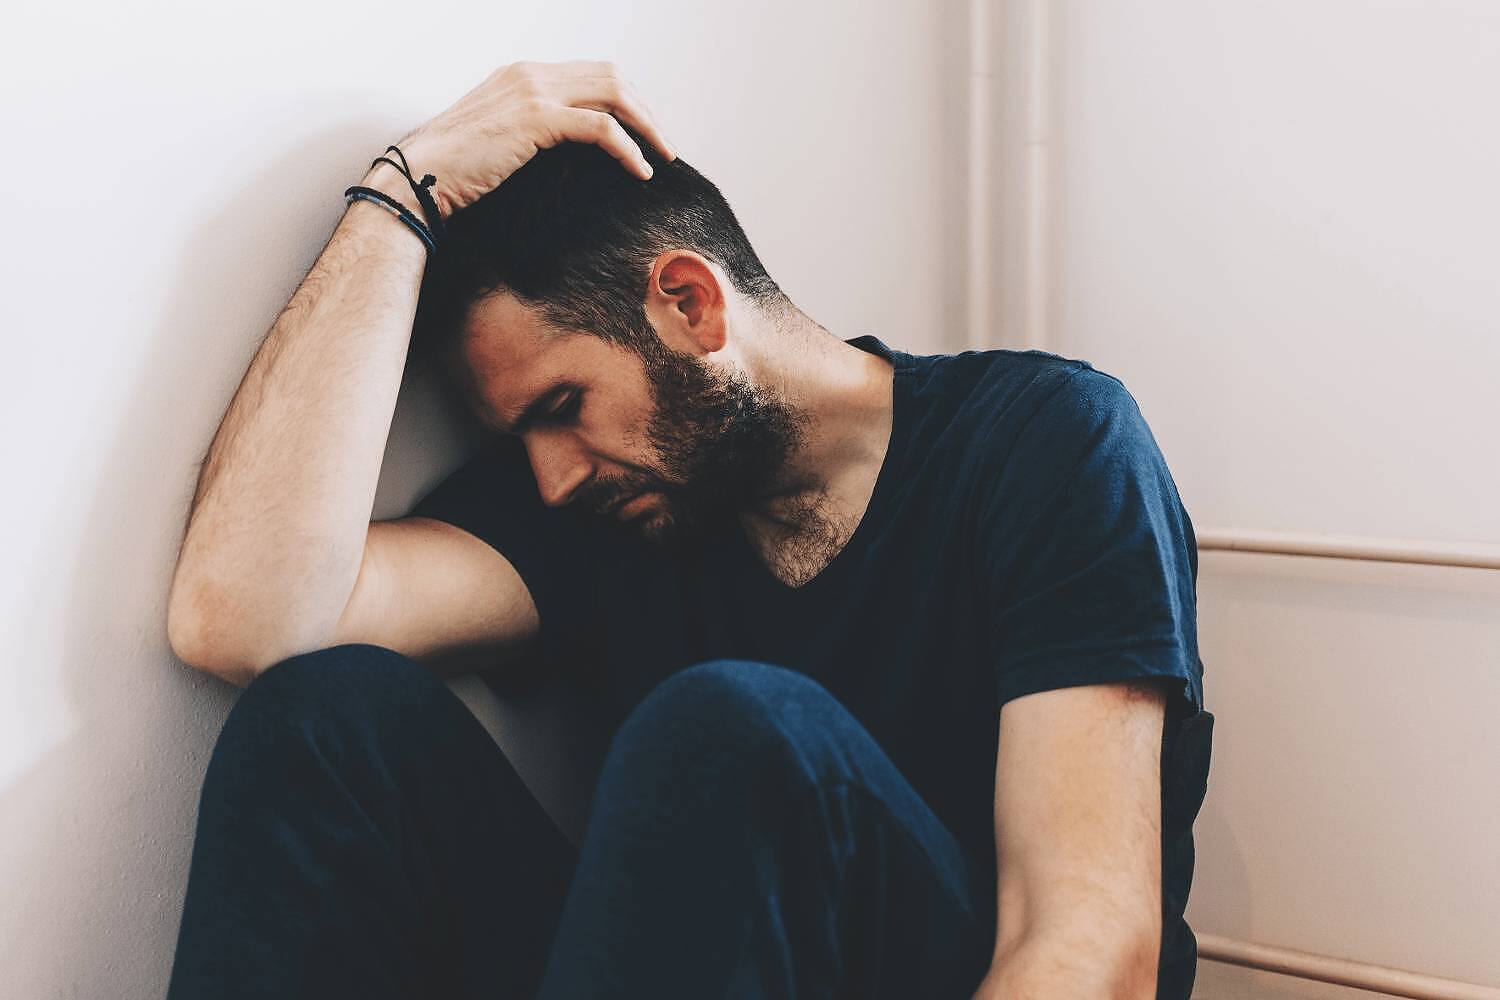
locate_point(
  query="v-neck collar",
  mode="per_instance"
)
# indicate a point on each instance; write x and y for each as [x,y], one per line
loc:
[744,553]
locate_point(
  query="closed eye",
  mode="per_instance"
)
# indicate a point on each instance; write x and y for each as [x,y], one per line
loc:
[567,410]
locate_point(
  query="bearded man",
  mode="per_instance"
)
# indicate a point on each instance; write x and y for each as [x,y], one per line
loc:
[896,653]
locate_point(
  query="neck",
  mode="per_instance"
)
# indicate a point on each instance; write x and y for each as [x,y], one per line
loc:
[845,395]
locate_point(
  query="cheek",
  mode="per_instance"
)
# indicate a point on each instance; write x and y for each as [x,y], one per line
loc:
[617,443]
[620,429]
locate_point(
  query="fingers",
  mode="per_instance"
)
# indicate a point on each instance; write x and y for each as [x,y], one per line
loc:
[589,101]
[611,94]
[598,84]
[601,128]
[584,67]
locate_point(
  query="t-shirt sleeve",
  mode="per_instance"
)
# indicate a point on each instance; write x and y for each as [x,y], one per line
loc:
[1088,561]
[493,496]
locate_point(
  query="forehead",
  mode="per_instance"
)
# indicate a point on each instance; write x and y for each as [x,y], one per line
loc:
[512,357]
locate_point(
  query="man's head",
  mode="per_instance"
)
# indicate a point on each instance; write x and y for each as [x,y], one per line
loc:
[618,310]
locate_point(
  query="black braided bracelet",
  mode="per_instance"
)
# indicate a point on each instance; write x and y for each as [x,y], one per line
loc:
[393,206]
[424,197]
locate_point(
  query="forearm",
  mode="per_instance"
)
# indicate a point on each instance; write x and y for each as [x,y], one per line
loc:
[276,533]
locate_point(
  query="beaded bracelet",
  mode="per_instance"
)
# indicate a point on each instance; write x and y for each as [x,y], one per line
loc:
[431,234]
[424,197]
[393,206]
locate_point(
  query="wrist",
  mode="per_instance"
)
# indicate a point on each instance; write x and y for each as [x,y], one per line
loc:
[416,158]
[389,181]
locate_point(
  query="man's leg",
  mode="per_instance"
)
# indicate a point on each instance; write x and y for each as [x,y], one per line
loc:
[361,835]
[748,838]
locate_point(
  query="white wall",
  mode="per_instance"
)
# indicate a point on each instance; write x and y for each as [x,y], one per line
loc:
[1276,222]
[171,171]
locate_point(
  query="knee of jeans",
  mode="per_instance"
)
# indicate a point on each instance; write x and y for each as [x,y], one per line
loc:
[756,714]
[354,686]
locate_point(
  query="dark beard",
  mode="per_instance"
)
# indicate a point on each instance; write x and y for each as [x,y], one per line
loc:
[722,442]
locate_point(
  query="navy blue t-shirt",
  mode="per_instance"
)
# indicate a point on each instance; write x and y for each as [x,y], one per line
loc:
[1024,534]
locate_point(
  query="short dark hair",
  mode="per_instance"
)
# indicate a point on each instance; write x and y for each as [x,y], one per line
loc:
[573,233]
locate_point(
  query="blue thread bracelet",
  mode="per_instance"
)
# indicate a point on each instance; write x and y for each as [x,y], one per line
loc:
[397,209]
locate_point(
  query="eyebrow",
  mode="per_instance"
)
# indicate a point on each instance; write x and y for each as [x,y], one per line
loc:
[536,408]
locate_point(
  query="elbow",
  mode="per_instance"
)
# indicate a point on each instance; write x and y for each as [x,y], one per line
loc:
[1074,965]
[205,648]
[189,647]
[183,633]
[1138,972]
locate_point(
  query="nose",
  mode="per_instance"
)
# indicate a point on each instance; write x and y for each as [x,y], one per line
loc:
[560,468]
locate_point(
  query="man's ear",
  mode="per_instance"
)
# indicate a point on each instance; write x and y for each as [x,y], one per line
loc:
[685,301]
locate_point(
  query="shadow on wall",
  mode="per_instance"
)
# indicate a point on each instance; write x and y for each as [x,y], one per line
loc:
[95,837]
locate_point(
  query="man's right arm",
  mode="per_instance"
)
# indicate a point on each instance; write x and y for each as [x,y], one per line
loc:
[280,556]
[279,537]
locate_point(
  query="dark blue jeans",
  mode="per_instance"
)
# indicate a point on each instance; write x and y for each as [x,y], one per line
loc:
[361,835]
